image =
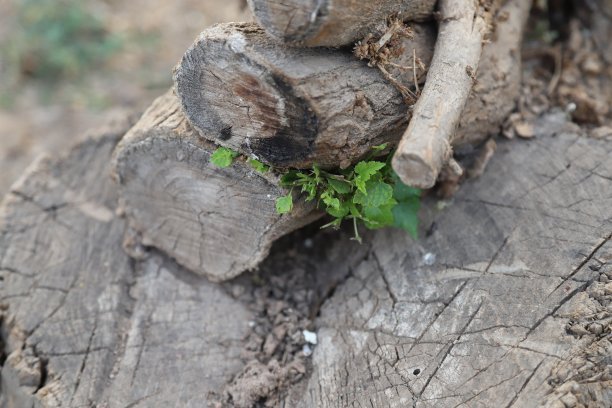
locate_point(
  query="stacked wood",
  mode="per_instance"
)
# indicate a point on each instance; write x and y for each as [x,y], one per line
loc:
[288,107]
[294,107]
[333,22]
[464,25]
[217,222]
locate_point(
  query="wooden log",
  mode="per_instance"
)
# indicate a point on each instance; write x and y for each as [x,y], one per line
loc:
[216,222]
[515,315]
[426,145]
[293,107]
[333,23]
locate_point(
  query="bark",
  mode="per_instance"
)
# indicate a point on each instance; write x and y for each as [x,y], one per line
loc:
[333,22]
[426,145]
[292,107]
[216,222]
[515,316]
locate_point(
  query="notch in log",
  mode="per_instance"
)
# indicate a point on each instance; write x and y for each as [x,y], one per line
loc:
[216,222]
[333,23]
[294,107]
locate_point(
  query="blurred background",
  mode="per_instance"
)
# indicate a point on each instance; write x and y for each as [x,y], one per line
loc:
[70,65]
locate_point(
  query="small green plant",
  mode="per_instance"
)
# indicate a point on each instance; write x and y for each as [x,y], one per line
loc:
[223,157]
[258,166]
[284,204]
[369,192]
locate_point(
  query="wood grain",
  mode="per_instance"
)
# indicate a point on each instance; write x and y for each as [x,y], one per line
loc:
[292,107]
[216,222]
[506,315]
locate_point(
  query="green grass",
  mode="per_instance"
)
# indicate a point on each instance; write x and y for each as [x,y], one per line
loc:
[56,39]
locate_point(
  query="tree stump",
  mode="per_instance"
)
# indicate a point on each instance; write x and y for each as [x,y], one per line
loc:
[515,313]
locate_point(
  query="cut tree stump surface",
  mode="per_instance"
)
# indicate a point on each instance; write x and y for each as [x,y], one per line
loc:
[514,310]
[83,323]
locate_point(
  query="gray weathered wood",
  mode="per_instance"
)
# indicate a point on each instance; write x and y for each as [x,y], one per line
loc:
[333,22]
[292,107]
[515,310]
[216,222]
[82,324]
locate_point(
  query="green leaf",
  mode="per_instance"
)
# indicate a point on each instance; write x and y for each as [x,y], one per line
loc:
[379,217]
[223,157]
[340,186]
[380,148]
[284,204]
[330,201]
[258,166]
[310,187]
[368,168]
[406,216]
[377,194]
[370,193]
[365,170]
[340,212]
[403,192]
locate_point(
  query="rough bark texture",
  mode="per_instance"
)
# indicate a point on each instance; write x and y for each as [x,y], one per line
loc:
[290,107]
[513,312]
[498,80]
[216,222]
[333,22]
[426,145]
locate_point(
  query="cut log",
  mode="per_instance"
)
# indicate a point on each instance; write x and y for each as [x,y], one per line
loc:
[426,145]
[515,315]
[292,107]
[216,222]
[496,90]
[333,22]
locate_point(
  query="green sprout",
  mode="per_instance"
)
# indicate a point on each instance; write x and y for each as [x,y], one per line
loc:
[369,192]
